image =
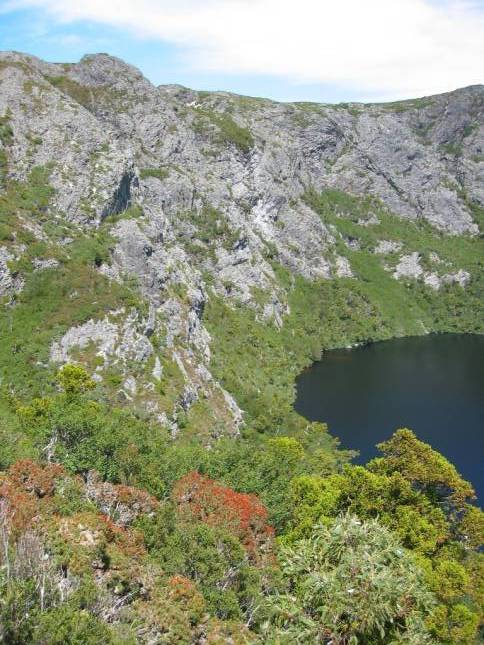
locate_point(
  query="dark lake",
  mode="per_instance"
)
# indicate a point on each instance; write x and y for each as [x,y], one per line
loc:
[431,384]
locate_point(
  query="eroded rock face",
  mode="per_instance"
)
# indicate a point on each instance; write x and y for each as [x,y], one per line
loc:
[215,182]
[106,108]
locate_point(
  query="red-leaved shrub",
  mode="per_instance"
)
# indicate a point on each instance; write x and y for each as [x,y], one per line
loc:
[243,515]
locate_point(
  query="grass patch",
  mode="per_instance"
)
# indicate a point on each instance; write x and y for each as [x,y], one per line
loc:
[6,132]
[86,96]
[228,131]
[52,301]
[213,229]
[258,362]
[404,106]
[3,167]
[76,91]
[470,128]
[452,148]
[158,173]
[28,199]
[344,211]
[409,307]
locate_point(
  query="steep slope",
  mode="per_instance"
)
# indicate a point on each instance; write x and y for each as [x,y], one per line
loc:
[196,250]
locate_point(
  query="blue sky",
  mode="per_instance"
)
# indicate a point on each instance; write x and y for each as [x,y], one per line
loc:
[313,50]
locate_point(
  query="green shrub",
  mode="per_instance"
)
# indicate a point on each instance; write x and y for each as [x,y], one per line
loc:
[3,167]
[65,625]
[352,582]
[233,133]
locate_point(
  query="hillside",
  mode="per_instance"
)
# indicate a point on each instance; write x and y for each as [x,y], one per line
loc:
[170,260]
[171,221]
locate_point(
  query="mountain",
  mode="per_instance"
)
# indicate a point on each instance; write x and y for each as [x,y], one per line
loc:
[196,250]
[170,261]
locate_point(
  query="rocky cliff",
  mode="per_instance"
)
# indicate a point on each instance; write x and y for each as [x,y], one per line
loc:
[161,225]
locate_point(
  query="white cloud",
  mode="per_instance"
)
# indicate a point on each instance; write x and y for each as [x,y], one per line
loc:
[394,48]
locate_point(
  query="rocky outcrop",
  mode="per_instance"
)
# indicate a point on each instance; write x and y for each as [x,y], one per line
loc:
[9,283]
[408,267]
[204,190]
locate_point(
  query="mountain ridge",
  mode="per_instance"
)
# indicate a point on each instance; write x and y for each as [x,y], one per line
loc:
[212,200]
[128,66]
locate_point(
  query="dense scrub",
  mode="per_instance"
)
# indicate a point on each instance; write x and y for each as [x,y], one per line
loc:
[114,533]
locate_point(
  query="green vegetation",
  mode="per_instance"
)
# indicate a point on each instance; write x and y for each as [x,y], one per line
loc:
[88,97]
[51,301]
[78,92]
[112,531]
[453,148]
[212,231]
[54,299]
[409,104]
[213,227]
[6,132]
[3,170]
[353,582]
[228,131]
[233,133]
[418,495]
[24,200]
[259,362]
[158,173]
[408,307]
[469,129]
[258,540]
[310,106]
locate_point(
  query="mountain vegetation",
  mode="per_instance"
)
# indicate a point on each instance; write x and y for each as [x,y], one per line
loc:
[169,262]
[112,532]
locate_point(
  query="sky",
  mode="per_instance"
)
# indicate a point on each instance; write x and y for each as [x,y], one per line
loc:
[301,50]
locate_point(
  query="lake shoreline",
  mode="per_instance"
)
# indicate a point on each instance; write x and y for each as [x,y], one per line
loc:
[426,383]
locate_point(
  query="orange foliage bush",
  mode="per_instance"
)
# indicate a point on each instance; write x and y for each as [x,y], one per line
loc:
[34,478]
[244,515]
[186,594]
[18,507]
[26,492]
[22,488]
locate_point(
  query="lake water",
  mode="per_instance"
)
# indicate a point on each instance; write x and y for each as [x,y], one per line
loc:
[431,384]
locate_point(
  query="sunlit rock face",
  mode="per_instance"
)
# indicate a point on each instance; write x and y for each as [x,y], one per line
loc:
[205,189]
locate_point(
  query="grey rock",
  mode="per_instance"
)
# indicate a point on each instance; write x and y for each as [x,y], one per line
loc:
[342,267]
[113,140]
[40,264]
[10,283]
[6,279]
[102,333]
[114,341]
[157,369]
[408,267]
[461,278]
[433,280]
[384,247]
